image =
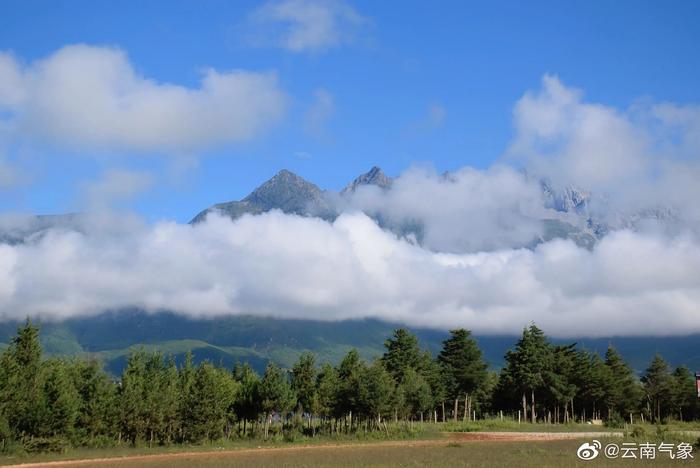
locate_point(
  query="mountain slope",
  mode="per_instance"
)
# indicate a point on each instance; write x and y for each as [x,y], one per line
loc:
[285,191]
[375,177]
[110,337]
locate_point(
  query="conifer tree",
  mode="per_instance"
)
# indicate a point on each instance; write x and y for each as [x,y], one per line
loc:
[685,399]
[213,392]
[624,390]
[529,363]
[416,394]
[247,405]
[375,391]
[658,386]
[20,381]
[61,400]
[463,367]
[185,382]
[98,406]
[402,353]
[350,372]
[327,389]
[275,394]
[304,382]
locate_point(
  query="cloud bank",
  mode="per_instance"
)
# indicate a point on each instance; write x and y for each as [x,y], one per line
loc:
[92,98]
[630,284]
[469,269]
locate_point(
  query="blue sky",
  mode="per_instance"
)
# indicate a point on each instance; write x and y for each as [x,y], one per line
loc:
[407,83]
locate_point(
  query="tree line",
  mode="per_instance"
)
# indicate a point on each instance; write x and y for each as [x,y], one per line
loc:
[54,403]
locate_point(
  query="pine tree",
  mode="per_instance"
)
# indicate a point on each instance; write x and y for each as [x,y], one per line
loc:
[464,369]
[432,372]
[327,389]
[275,394]
[402,353]
[61,398]
[304,382]
[132,404]
[98,406]
[185,382]
[213,391]
[375,392]
[416,394]
[169,387]
[623,390]
[658,385]
[684,399]
[559,380]
[599,385]
[247,405]
[21,393]
[350,372]
[529,365]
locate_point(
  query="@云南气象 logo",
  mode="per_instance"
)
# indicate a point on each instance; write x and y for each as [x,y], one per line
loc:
[637,450]
[588,451]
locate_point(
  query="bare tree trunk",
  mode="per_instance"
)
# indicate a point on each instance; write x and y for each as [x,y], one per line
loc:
[573,413]
[454,415]
[532,398]
[524,407]
[466,413]
[443,411]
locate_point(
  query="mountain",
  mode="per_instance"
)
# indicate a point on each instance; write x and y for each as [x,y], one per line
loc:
[375,176]
[290,193]
[285,191]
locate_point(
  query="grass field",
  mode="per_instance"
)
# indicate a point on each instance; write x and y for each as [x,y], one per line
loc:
[467,454]
[424,445]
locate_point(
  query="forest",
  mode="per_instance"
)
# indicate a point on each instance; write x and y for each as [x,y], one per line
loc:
[55,403]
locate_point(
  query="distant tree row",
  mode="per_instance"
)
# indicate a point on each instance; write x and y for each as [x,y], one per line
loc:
[48,404]
[556,383]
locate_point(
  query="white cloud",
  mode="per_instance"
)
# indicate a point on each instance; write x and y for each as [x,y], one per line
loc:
[630,284]
[93,98]
[304,25]
[464,211]
[645,156]
[573,142]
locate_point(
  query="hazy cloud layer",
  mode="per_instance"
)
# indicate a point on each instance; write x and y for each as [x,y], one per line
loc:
[92,98]
[303,25]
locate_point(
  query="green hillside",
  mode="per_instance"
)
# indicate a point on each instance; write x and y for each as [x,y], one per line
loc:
[110,337]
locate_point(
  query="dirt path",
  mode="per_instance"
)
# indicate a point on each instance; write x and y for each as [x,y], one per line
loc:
[450,437]
[528,436]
